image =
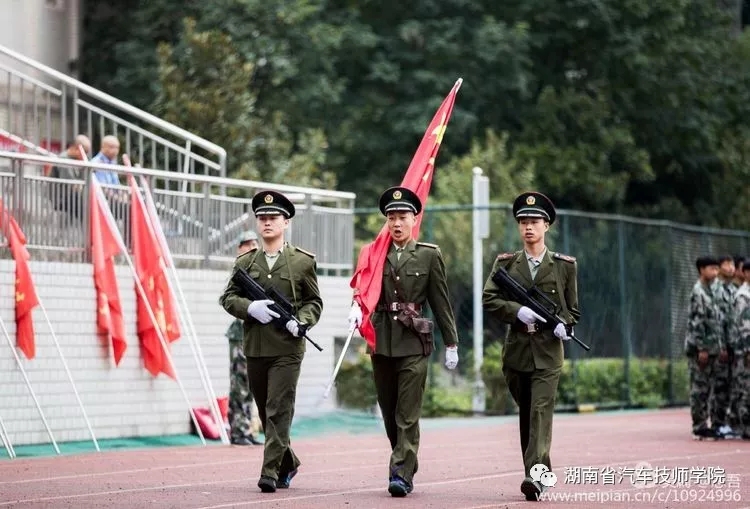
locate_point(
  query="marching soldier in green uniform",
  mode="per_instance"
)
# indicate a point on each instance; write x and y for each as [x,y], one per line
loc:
[274,354]
[414,275]
[533,351]
[243,424]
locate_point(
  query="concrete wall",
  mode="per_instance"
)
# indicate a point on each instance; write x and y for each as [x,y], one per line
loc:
[47,31]
[126,401]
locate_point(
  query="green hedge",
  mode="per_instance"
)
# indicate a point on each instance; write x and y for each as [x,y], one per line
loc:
[595,381]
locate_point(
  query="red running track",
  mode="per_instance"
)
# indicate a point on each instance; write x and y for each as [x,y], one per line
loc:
[474,464]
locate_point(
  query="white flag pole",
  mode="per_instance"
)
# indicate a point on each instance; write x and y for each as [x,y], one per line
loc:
[67,371]
[28,384]
[6,440]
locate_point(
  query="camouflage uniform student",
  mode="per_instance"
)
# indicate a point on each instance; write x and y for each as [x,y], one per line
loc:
[704,342]
[244,424]
[275,350]
[741,346]
[739,277]
[721,397]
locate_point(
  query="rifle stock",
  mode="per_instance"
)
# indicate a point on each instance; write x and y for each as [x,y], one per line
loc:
[526,298]
[281,305]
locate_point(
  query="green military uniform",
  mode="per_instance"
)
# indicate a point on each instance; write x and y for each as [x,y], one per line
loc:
[533,355]
[274,354]
[401,356]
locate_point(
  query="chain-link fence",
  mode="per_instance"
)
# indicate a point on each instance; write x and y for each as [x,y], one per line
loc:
[634,280]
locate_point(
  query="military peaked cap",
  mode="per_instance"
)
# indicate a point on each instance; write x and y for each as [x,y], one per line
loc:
[247,236]
[272,202]
[532,204]
[400,199]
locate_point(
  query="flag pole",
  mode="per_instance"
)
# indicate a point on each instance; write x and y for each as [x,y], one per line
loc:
[185,311]
[192,336]
[339,362]
[28,384]
[102,201]
[70,376]
[6,440]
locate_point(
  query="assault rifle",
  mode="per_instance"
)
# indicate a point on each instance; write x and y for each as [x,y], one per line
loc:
[531,299]
[281,305]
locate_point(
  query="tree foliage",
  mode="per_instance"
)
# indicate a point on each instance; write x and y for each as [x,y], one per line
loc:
[627,106]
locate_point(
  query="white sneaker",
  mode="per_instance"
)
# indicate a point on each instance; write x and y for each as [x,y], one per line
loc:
[725,431]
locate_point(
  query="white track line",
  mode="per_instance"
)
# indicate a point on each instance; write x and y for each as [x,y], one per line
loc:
[277,500]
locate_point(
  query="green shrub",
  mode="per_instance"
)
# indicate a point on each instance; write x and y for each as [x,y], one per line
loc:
[355,387]
[497,396]
[592,381]
[446,402]
[596,381]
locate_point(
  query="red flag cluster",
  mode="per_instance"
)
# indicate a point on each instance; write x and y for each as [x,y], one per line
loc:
[156,305]
[150,266]
[367,279]
[26,298]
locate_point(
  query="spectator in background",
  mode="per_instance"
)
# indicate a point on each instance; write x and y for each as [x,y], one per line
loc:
[66,197]
[119,200]
[108,152]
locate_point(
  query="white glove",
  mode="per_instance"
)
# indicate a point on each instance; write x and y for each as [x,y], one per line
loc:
[451,357]
[355,316]
[528,316]
[293,327]
[561,333]
[258,309]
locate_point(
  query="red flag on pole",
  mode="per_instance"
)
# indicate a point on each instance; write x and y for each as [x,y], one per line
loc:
[26,298]
[104,248]
[368,276]
[149,268]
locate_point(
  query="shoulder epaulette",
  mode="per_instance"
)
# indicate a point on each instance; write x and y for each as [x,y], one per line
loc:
[247,252]
[308,253]
[505,256]
[427,244]
[567,258]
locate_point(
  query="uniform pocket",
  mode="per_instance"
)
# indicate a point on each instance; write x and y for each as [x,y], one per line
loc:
[415,282]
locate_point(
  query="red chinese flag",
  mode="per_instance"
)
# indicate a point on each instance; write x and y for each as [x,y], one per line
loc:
[26,298]
[368,276]
[148,267]
[104,248]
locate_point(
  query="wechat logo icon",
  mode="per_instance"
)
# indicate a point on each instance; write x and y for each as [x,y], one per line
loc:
[541,474]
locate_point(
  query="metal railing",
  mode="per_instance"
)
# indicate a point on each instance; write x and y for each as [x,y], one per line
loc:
[43,106]
[53,212]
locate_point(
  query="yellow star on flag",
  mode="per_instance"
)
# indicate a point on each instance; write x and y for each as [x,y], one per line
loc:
[439,131]
[20,296]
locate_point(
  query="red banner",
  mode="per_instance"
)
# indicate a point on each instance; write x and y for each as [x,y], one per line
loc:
[26,298]
[149,266]
[368,276]
[104,248]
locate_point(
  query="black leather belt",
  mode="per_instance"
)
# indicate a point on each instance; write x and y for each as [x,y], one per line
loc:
[534,328]
[400,306]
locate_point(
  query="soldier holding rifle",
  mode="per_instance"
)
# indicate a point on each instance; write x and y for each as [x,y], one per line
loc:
[274,354]
[533,351]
